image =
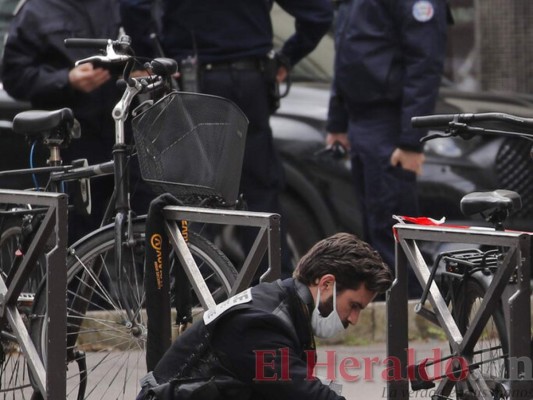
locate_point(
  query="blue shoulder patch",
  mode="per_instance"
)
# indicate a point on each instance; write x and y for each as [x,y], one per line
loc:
[423,11]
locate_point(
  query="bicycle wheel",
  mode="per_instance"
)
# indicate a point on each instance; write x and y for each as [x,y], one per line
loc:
[106,347]
[14,373]
[491,348]
[15,380]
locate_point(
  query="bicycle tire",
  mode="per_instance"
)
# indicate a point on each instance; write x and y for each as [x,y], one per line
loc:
[493,342]
[15,382]
[112,348]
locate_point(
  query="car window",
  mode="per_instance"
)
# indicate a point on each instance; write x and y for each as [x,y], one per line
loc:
[315,68]
[318,68]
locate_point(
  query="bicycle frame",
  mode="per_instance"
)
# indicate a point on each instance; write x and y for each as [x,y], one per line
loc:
[123,226]
[515,297]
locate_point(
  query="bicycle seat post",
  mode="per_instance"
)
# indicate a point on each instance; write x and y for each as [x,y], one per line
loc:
[54,157]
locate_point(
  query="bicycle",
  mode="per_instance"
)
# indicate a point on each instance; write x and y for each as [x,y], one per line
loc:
[106,324]
[476,293]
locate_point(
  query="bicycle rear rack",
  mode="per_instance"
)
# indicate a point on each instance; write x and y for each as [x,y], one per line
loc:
[515,297]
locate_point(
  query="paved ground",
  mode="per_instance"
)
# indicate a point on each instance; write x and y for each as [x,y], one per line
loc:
[371,384]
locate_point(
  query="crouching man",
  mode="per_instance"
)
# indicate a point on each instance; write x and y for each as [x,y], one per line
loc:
[260,344]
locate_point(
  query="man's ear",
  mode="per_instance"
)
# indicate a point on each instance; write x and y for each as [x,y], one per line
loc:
[326,282]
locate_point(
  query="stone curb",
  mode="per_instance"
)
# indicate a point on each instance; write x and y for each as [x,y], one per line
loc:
[371,327]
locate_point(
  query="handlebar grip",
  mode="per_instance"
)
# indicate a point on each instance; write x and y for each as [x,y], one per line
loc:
[433,121]
[497,119]
[86,43]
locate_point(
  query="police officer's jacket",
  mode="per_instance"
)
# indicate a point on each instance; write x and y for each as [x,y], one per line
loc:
[36,63]
[388,52]
[224,30]
[261,339]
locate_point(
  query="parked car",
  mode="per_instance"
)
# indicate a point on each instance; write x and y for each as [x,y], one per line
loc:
[319,198]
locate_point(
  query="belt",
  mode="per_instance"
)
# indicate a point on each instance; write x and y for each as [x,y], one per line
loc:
[241,65]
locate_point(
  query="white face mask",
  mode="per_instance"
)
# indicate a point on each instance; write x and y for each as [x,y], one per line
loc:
[326,327]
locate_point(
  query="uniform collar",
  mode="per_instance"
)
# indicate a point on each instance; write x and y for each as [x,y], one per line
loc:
[305,294]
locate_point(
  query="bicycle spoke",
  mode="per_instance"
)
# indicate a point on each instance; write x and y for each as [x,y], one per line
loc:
[100,333]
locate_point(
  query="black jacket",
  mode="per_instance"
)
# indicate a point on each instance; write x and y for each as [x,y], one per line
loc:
[267,324]
[221,30]
[36,62]
[388,51]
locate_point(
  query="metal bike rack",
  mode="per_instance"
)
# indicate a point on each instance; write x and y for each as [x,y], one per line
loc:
[267,240]
[515,298]
[50,377]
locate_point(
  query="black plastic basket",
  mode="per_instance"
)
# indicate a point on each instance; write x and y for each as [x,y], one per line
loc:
[192,145]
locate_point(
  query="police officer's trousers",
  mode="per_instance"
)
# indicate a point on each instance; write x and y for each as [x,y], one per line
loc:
[383,190]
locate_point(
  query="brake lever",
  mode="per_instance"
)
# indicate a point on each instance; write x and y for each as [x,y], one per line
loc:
[437,135]
[464,131]
[104,59]
[110,57]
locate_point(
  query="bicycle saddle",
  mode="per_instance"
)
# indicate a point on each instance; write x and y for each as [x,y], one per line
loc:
[38,123]
[497,200]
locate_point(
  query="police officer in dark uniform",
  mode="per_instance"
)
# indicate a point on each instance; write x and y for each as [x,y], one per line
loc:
[37,67]
[259,344]
[388,65]
[229,41]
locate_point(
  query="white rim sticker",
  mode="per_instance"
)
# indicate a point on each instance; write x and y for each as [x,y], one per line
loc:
[423,11]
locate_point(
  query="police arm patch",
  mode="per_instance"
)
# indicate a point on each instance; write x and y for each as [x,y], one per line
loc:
[241,298]
[423,11]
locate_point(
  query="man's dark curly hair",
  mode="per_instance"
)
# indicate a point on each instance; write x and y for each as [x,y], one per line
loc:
[351,260]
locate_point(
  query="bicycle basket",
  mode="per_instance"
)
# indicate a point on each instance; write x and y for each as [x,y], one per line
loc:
[192,145]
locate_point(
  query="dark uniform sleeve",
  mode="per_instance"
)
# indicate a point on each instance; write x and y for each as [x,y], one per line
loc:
[259,350]
[337,113]
[312,20]
[26,74]
[424,51]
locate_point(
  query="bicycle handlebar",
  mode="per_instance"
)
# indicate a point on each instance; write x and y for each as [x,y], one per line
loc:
[468,125]
[120,51]
[83,43]
[443,121]
[115,51]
